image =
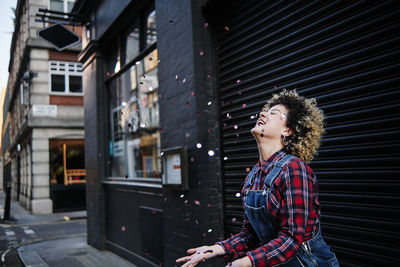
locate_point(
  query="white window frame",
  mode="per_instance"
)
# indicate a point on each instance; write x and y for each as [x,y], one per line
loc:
[70,69]
[65,4]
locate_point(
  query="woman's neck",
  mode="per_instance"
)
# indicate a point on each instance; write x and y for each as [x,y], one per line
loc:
[266,150]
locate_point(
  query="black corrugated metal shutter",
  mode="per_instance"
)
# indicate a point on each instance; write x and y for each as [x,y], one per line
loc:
[346,55]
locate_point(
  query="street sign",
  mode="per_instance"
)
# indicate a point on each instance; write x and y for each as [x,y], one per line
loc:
[59,36]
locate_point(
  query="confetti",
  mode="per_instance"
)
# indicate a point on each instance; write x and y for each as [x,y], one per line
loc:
[192,93]
[197,202]
[137,62]
[209,130]
[261,135]
[237,135]
[150,59]
[108,73]
[209,230]
[123,228]
[198,145]
[209,205]
[165,199]
[225,158]
[209,103]
[233,219]
[129,125]
[182,196]
[144,76]
[252,117]
[184,80]
[208,76]
[227,115]
[226,28]
[238,195]
[188,103]
[244,106]
[192,159]
[225,124]
[126,176]
[187,135]
[186,201]
[176,77]
[153,211]
[171,21]
[211,153]
[262,130]
[205,25]
[240,93]
[123,104]
[142,124]
[235,127]
[238,81]
[247,169]
[162,153]
[201,53]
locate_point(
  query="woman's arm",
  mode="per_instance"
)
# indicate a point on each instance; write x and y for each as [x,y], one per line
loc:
[201,254]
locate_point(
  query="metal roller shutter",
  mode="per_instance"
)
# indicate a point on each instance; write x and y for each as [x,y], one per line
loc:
[346,55]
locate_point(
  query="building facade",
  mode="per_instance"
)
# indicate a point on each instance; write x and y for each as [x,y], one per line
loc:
[45,109]
[160,76]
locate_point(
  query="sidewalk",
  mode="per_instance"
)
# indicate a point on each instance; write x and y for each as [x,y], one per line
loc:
[71,251]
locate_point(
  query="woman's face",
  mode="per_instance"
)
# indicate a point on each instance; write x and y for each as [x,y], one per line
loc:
[271,123]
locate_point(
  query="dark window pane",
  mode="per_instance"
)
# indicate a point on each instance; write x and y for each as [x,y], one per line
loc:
[75,84]
[57,83]
[151,34]
[132,44]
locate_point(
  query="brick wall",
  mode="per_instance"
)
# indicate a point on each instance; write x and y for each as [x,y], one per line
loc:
[187,85]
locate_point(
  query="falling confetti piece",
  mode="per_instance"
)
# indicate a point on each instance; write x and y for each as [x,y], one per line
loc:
[235,127]
[126,176]
[196,221]
[238,194]
[209,130]
[192,159]
[201,53]
[209,205]
[192,93]
[171,21]
[176,77]
[205,25]
[247,169]
[108,73]
[227,115]
[237,135]
[158,61]
[197,202]
[162,153]
[141,82]
[240,93]
[122,113]
[123,228]
[188,103]
[225,124]
[198,145]
[209,103]
[187,135]
[142,124]
[208,76]
[186,201]
[184,80]
[262,130]
[233,219]
[238,81]
[252,117]
[165,199]
[144,76]
[150,59]
[129,125]
[261,135]
[225,158]
[209,230]
[153,211]
[173,103]
[275,87]
[123,104]
[182,196]
[244,106]
[211,153]
[226,28]
[137,63]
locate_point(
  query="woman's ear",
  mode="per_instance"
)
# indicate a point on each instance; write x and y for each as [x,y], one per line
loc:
[287,132]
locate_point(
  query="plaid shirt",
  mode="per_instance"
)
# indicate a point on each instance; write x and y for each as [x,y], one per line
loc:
[293,203]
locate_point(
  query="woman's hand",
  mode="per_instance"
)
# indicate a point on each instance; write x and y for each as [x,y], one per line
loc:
[242,262]
[200,254]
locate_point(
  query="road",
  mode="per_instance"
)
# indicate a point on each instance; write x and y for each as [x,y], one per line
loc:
[13,236]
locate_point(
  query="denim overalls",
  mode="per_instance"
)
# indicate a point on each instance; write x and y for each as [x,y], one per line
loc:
[314,252]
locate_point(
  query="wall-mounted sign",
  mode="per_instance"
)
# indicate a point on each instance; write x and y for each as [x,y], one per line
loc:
[59,36]
[44,110]
[175,168]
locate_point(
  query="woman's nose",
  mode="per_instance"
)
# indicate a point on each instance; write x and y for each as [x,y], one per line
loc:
[263,114]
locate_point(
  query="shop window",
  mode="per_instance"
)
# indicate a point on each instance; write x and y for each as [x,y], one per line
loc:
[67,162]
[65,78]
[134,146]
[151,32]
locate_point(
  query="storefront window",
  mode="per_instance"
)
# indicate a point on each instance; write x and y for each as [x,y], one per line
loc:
[151,32]
[132,44]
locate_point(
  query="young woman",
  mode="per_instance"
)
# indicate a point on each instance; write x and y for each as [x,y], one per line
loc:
[280,194]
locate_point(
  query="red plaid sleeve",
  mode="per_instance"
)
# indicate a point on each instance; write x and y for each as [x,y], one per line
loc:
[237,246]
[296,187]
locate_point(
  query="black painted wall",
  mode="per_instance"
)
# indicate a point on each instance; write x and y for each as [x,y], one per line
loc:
[187,85]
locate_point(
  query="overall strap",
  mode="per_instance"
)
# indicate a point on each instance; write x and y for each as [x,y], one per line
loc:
[251,176]
[273,174]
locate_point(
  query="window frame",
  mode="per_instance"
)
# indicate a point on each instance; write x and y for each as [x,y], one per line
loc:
[66,73]
[65,5]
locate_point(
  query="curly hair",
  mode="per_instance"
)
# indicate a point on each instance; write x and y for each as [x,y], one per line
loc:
[306,121]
